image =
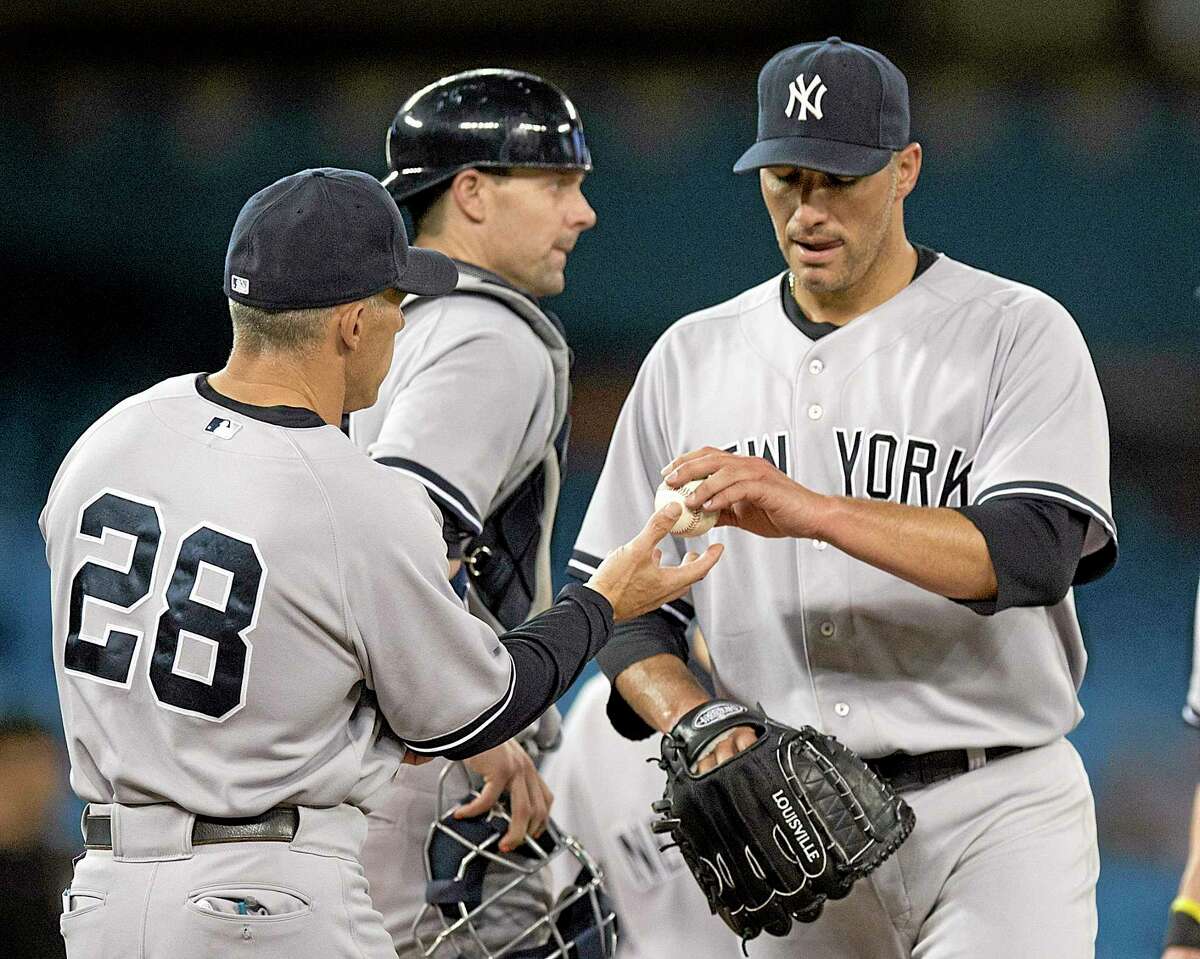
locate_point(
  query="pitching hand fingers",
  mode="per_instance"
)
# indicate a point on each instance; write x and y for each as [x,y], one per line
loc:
[687,458]
[700,466]
[724,497]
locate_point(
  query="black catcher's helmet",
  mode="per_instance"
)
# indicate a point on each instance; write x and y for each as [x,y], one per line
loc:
[482,118]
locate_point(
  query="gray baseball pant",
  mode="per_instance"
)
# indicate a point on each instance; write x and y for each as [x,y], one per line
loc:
[155,896]
[1002,864]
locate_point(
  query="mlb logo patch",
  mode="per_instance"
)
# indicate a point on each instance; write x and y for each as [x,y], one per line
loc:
[222,428]
[239,283]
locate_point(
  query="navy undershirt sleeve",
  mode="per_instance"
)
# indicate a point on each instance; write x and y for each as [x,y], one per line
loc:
[1035,545]
[548,652]
[633,641]
[641,638]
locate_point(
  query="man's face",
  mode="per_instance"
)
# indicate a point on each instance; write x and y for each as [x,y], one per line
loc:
[830,229]
[368,365]
[534,219]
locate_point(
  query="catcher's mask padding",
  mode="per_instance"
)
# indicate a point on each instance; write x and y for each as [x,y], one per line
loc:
[460,853]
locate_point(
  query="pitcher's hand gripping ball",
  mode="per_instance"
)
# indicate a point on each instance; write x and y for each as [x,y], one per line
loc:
[690,523]
[782,826]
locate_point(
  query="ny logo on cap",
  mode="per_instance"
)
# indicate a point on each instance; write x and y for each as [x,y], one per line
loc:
[799,93]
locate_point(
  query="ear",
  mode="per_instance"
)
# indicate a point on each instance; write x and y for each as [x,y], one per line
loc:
[350,324]
[467,190]
[908,169]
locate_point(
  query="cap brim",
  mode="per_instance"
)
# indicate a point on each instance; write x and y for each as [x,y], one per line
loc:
[428,273]
[828,156]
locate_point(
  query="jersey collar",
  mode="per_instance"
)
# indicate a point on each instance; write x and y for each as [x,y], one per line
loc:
[814,330]
[293,417]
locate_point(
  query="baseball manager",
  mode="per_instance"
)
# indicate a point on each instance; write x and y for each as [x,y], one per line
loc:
[252,622]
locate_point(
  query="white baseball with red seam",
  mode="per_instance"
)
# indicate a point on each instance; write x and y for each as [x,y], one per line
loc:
[689,523]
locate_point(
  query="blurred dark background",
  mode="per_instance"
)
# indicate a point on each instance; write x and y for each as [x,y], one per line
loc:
[1061,149]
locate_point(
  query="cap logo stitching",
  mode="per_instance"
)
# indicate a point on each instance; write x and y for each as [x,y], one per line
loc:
[239,283]
[799,93]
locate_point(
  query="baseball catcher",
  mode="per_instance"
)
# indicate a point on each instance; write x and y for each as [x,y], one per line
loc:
[787,823]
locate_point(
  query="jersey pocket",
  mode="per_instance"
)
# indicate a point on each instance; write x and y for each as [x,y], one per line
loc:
[252,902]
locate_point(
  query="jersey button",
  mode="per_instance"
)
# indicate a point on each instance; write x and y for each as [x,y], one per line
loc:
[827,629]
[842,709]
[819,544]
[815,367]
[815,412]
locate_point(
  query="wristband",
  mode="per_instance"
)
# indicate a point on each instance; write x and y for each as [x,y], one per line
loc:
[1183,928]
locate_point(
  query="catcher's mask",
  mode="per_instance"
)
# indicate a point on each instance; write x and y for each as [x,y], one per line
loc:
[494,905]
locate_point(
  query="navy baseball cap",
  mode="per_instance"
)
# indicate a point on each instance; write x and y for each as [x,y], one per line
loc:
[323,237]
[830,106]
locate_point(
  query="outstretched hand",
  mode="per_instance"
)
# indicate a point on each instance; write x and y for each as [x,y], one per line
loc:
[633,578]
[747,491]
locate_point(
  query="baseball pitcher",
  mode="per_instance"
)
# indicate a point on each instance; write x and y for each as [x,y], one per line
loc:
[908,459]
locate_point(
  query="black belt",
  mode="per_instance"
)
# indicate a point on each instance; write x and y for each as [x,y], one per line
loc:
[275,825]
[908,772]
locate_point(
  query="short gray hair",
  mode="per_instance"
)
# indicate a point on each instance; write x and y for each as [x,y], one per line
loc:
[265,331]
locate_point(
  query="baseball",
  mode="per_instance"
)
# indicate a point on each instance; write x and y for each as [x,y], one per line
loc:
[689,523]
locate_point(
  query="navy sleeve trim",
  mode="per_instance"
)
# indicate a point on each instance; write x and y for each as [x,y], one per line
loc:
[582,565]
[448,496]
[1052,491]
[439,744]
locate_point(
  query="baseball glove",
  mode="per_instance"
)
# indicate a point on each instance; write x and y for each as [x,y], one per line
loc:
[782,826]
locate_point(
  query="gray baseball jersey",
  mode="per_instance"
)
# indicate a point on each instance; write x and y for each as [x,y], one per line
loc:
[240,599]
[467,405]
[661,909]
[963,388]
[472,404]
